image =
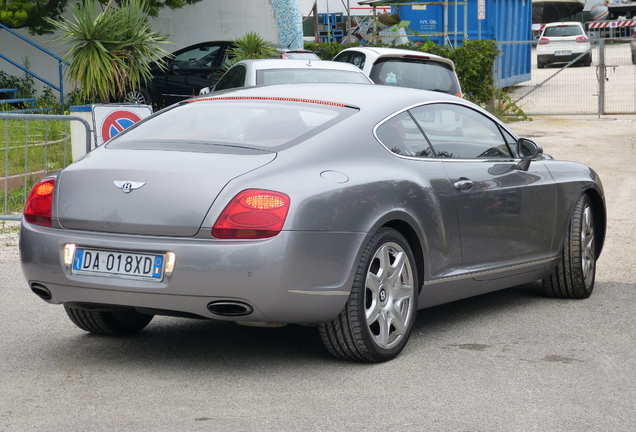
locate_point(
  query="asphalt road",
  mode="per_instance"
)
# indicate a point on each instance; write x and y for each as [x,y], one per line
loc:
[507,361]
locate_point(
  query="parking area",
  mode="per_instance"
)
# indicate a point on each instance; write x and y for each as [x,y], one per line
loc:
[608,86]
[507,361]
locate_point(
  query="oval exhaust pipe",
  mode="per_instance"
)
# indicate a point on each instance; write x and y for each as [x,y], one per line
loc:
[41,291]
[230,308]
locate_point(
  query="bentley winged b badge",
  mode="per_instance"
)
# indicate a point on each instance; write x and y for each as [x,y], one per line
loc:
[128,186]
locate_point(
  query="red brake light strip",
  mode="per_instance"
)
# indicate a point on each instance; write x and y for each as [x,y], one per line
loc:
[271,99]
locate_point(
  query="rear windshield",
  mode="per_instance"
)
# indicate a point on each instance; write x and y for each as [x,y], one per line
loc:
[250,122]
[295,76]
[414,73]
[564,30]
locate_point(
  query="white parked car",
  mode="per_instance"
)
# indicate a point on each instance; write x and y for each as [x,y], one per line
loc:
[249,73]
[562,42]
[404,68]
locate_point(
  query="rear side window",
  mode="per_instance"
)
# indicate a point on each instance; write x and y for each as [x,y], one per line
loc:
[402,136]
[413,73]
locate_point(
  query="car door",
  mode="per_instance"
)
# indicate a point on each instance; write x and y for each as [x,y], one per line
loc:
[191,69]
[506,214]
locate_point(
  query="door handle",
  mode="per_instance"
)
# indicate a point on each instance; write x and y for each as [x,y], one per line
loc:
[463,185]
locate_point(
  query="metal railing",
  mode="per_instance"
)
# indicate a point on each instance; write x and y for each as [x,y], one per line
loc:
[60,64]
[30,150]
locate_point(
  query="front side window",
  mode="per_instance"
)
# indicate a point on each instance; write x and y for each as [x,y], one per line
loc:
[233,78]
[456,131]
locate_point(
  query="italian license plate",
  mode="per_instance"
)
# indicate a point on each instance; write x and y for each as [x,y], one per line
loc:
[126,265]
[562,53]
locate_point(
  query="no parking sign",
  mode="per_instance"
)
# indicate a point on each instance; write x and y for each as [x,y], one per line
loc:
[109,120]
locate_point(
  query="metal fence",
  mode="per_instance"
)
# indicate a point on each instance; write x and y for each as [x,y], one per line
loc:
[32,146]
[608,86]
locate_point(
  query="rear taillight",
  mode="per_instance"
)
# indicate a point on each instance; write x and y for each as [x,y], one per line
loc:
[252,214]
[544,41]
[37,209]
[581,39]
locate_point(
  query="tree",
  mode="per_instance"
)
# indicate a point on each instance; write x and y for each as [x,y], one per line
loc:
[35,14]
[109,52]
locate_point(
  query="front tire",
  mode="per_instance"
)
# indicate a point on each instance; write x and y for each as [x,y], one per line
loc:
[377,320]
[140,96]
[111,323]
[574,276]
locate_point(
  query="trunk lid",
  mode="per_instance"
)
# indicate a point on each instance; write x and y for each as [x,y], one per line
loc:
[148,192]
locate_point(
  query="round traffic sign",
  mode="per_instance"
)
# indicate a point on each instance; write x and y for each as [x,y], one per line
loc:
[116,122]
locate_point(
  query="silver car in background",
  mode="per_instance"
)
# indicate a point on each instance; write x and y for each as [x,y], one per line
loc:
[344,206]
[249,73]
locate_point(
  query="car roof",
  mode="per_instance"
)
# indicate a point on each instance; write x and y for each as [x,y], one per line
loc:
[564,23]
[399,53]
[300,64]
[382,99]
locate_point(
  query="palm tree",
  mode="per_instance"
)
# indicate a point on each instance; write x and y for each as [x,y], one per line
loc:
[251,46]
[111,51]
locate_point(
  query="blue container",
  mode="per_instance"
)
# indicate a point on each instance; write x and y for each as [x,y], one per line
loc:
[508,22]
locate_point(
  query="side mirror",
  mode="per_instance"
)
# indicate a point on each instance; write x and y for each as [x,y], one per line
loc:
[526,151]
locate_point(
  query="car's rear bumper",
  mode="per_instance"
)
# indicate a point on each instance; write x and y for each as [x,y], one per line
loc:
[295,277]
[551,58]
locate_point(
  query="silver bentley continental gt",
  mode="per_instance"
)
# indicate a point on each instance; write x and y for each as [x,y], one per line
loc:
[345,206]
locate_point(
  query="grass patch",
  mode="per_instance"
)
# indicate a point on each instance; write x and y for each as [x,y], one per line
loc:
[35,145]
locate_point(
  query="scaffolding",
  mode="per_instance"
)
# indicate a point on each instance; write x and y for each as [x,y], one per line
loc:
[445,34]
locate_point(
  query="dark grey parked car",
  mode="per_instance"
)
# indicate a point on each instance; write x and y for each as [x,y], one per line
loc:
[346,206]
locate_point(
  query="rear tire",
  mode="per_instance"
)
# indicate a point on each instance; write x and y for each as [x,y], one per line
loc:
[112,323]
[574,276]
[377,320]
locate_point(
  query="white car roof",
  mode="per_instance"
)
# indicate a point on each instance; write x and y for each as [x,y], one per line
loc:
[377,52]
[300,64]
[564,23]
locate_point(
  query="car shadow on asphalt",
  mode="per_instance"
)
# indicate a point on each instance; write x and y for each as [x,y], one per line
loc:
[178,342]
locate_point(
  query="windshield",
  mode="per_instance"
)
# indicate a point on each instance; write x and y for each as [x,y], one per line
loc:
[249,122]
